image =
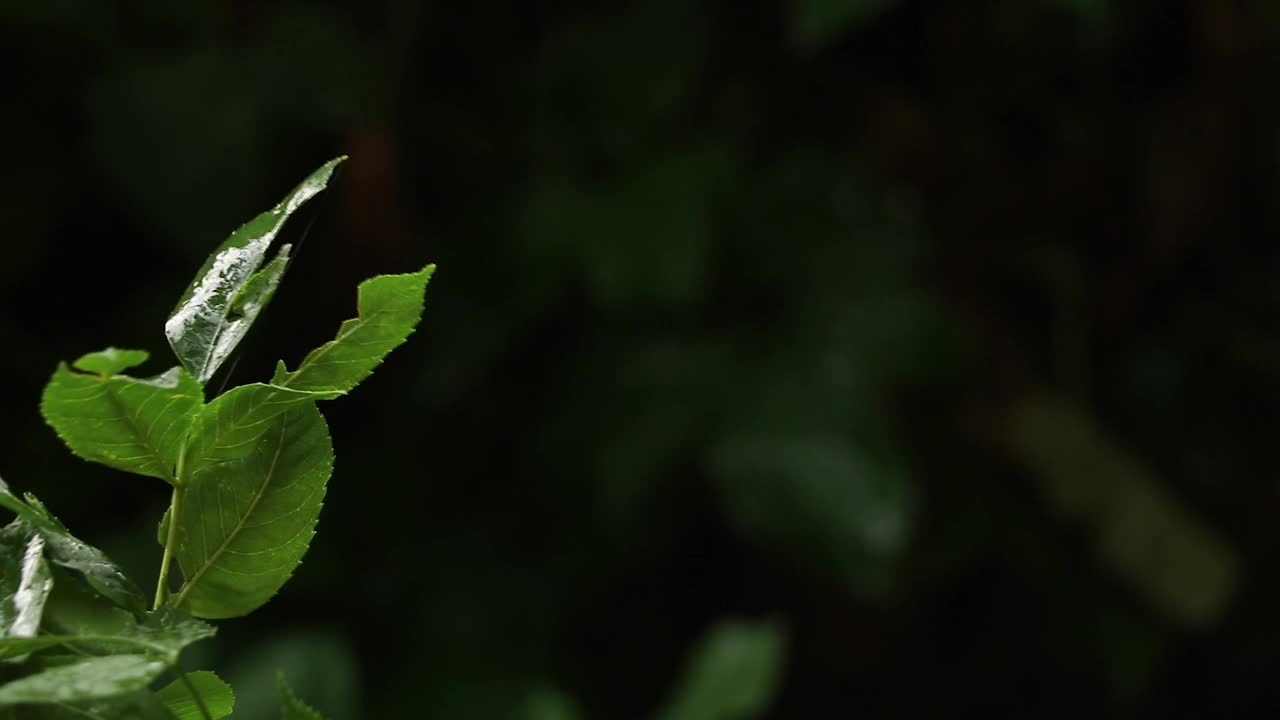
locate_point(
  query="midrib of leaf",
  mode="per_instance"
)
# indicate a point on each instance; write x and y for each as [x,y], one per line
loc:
[239,526]
[348,329]
[69,641]
[143,435]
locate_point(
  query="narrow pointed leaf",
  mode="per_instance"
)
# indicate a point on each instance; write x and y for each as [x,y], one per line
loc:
[213,314]
[390,307]
[65,550]
[94,678]
[133,425]
[291,708]
[246,523]
[216,694]
[25,580]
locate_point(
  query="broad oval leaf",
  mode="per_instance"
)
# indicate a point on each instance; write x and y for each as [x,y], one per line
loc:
[93,678]
[389,309]
[25,580]
[66,550]
[234,424]
[126,423]
[246,523]
[216,695]
[228,292]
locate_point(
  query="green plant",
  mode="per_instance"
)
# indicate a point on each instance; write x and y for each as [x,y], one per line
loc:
[247,472]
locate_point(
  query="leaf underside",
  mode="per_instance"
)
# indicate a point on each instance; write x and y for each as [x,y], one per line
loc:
[247,522]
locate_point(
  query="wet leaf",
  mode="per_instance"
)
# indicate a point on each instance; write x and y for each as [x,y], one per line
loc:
[25,580]
[229,291]
[161,635]
[65,550]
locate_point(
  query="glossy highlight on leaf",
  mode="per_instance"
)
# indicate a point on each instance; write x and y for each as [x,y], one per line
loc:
[229,292]
[133,425]
[247,522]
[390,307]
[25,580]
[64,549]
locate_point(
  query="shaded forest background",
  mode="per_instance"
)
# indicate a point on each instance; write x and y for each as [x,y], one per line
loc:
[944,335]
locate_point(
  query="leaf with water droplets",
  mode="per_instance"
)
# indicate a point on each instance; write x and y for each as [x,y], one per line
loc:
[25,580]
[229,291]
[65,550]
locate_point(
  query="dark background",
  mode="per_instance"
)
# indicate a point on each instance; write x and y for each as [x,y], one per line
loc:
[945,334]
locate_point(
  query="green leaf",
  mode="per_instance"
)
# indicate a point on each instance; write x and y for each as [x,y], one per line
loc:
[161,635]
[216,694]
[65,550]
[291,708]
[732,676]
[141,705]
[129,424]
[89,679]
[246,523]
[111,361]
[232,426]
[229,292]
[25,580]
[389,308]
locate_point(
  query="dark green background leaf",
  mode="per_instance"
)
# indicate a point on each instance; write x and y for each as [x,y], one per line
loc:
[88,679]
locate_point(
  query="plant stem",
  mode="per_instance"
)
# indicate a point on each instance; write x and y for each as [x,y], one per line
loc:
[175,511]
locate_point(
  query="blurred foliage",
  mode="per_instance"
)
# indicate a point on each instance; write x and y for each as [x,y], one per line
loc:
[934,330]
